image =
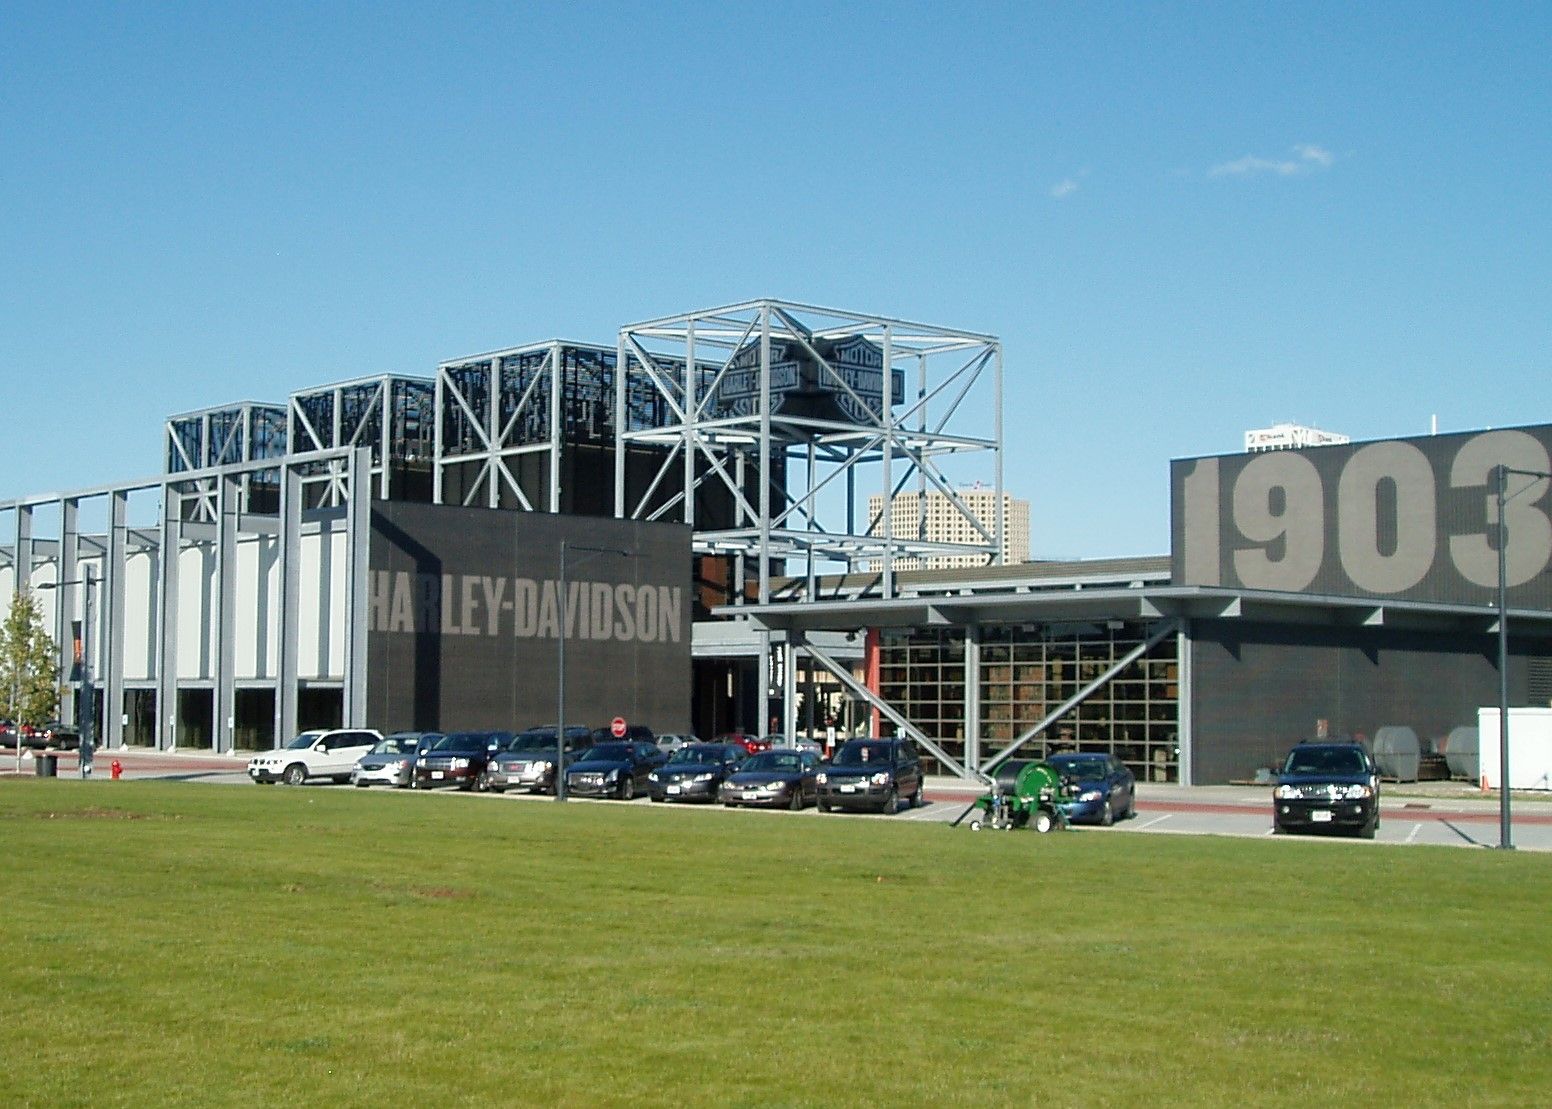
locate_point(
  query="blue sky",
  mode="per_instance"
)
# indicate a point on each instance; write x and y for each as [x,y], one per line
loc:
[1182,220]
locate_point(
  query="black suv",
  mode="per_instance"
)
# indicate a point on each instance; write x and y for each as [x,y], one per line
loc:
[871,774]
[1327,785]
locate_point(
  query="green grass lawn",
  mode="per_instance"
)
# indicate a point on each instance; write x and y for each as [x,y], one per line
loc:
[174,943]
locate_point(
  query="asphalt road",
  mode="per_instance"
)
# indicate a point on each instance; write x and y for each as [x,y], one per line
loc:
[1406,819]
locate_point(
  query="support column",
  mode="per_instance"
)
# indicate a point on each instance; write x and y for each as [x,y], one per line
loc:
[23,549]
[286,647]
[789,685]
[112,639]
[973,696]
[67,569]
[166,668]
[358,537]
[1183,717]
[763,693]
[223,699]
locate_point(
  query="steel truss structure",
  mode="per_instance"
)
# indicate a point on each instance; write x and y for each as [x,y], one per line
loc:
[199,507]
[392,415]
[797,412]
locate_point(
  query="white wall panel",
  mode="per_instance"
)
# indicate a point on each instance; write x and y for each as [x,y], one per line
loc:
[140,586]
[196,630]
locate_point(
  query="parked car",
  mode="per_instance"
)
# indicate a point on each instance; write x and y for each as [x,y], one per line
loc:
[392,762]
[56,734]
[1106,789]
[1327,786]
[331,753]
[871,774]
[752,744]
[672,742]
[614,769]
[457,759]
[783,777]
[634,733]
[529,763]
[695,772]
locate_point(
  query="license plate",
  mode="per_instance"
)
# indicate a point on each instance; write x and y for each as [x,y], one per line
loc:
[674,789]
[1320,816]
[436,774]
[848,789]
[751,795]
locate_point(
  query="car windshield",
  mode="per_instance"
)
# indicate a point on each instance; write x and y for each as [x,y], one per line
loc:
[462,741]
[860,754]
[1324,760]
[700,756]
[774,760]
[1080,767]
[396,745]
[610,752]
[303,741]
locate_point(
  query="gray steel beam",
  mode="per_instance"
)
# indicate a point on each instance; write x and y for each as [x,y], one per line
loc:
[112,639]
[166,666]
[286,646]
[67,569]
[973,695]
[1184,690]
[223,699]
[358,532]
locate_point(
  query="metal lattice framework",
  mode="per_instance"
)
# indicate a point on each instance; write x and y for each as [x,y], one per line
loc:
[788,417]
[391,415]
[231,435]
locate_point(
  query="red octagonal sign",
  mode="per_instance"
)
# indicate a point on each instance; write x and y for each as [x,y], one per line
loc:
[617,727]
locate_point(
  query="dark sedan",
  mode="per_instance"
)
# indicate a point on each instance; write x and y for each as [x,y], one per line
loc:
[614,770]
[457,759]
[779,778]
[1106,791]
[529,763]
[1327,786]
[695,772]
[875,774]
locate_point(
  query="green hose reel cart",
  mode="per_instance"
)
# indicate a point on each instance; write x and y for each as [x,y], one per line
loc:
[1024,793]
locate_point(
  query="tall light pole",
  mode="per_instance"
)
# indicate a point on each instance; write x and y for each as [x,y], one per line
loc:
[1505,842]
[87,697]
[560,661]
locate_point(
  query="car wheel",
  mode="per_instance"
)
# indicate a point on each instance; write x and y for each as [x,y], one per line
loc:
[656,799]
[1368,830]
[796,804]
[1107,814]
[1278,829]
[824,806]
[295,774]
[627,788]
[1131,805]
[360,785]
[1042,821]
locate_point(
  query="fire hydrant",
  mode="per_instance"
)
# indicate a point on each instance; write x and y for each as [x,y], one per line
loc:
[115,769]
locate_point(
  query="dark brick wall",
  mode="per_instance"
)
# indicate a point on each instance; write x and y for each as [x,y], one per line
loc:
[1256,689]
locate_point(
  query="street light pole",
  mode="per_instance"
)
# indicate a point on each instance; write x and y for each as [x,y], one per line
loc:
[1501,490]
[86,698]
[560,663]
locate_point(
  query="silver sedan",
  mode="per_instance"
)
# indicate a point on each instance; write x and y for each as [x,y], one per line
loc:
[391,762]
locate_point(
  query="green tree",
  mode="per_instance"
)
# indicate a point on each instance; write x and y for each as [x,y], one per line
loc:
[29,667]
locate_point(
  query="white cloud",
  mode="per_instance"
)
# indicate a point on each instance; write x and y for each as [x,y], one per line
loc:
[1064,188]
[1306,158]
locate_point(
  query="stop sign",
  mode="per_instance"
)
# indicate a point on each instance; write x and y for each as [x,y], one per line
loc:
[617,727]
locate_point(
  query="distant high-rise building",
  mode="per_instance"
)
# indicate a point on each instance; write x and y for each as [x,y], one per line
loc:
[1283,437]
[936,518]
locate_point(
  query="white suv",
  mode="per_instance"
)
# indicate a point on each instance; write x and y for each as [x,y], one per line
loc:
[321,754]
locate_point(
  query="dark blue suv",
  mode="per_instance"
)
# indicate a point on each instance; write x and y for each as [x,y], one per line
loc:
[1327,786]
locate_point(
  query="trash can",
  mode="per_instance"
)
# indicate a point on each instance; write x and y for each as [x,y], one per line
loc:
[45,765]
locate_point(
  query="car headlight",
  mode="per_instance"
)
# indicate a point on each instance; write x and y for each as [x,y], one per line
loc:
[460,764]
[1090,795]
[776,786]
[652,777]
[881,778]
[612,775]
[704,777]
[1356,792]
[821,777]
[1284,793]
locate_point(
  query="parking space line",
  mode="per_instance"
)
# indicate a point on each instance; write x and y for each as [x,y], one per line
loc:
[1151,823]
[1413,835]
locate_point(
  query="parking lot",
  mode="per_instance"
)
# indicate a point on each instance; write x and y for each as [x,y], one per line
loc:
[1439,815]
